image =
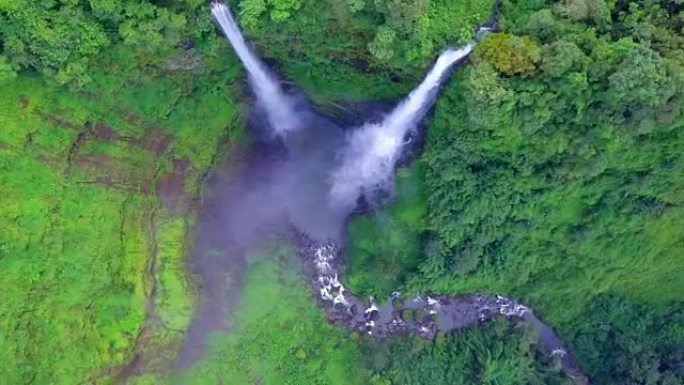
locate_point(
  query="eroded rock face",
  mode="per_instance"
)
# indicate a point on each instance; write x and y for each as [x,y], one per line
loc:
[425,315]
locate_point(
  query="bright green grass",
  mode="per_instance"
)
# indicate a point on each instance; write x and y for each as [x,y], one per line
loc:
[73,251]
[81,221]
[280,336]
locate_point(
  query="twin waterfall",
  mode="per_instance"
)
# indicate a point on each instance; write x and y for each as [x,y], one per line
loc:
[361,163]
[372,150]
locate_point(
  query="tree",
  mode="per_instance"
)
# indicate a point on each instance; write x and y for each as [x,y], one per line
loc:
[400,15]
[509,54]
[381,46]
[250,13]
[561,57]
[356,5]
[150,28]
[281,10]
[7,71]
[583,10]
[643,79]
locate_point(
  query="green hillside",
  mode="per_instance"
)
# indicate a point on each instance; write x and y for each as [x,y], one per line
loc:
[552,172]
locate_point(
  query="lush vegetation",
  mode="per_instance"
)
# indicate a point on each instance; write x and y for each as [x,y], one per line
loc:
[495,354]
[280,337]
[552,172]
[359,49]
[97,179]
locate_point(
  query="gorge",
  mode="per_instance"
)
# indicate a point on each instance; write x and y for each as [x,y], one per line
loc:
[312,181]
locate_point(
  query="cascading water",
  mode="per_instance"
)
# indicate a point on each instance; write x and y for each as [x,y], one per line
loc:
[278,106]
[370,157]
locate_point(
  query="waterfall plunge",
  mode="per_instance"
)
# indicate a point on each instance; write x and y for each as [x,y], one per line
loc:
[372,151]
[278,106]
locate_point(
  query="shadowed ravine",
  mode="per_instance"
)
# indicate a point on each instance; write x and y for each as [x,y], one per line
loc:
[305,171]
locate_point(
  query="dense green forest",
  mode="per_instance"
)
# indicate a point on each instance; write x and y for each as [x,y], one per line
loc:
[552,172]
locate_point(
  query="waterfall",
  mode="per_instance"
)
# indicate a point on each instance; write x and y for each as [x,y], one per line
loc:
[369,159]
[278,106]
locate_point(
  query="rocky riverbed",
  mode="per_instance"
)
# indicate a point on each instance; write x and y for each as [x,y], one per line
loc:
[426,314]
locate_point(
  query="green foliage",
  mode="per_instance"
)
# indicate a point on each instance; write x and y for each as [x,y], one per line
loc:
[562,57]
[639,346]
[72,252]
[279,11]
[173,305]
[49,40]
[381,46]
[584,10]
[509,54]
[279,335]
[150,28]
[528,166]
[283,9]
[356,5]
[251,11]
[6,70]
[401,14]
[61,39]
[494,354]
[84,218]
[644,79]
[356,48]
[384,248]
[553,172]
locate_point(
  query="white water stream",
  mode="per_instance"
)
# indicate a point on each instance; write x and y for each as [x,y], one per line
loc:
[373,150]
[278,106]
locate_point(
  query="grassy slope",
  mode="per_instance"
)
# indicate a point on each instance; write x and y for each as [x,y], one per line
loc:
[70,244]
[280,337]
[96,187]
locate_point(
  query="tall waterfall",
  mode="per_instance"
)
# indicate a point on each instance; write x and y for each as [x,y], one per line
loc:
[278,106]
[372,152]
